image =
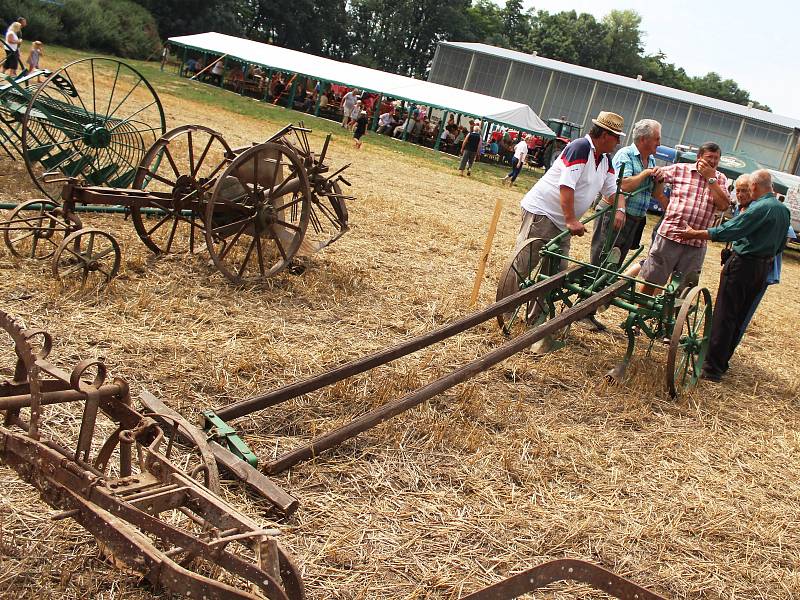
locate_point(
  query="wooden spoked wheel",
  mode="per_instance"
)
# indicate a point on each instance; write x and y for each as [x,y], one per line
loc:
[522,271]
[35,228]
[87,259]
[183,166]
[258,213]
[92,119]
[689,341]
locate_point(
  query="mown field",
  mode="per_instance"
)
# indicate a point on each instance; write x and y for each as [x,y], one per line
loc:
[535,459]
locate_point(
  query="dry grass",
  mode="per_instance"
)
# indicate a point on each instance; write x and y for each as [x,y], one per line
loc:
[534,459]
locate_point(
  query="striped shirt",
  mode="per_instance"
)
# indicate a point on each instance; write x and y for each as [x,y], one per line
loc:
[579,167]
[690,203]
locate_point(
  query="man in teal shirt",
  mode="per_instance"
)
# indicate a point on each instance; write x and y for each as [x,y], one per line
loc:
[639,171]
[758,235]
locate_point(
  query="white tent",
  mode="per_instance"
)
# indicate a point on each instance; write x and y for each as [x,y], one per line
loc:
[512,114]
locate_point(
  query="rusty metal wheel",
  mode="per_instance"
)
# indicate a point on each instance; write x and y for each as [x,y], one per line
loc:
[35,228]
[689,342]
[185,164]
[258,213]
[18,368]
[87,259]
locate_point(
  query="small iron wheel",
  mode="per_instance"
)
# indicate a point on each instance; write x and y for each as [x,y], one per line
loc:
[184,164]
[87,259]
[258,213]
[35,228]
[522,271]
[689,341]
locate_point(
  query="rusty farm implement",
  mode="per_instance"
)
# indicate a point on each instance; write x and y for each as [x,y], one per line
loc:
[161,521]
[256,209]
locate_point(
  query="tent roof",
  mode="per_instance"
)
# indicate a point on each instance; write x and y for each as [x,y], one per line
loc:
[512,114]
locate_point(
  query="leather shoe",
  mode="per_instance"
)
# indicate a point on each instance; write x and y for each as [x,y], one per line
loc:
[591,323]
[712,377]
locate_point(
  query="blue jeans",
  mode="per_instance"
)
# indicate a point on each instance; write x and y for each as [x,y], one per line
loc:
[516,168]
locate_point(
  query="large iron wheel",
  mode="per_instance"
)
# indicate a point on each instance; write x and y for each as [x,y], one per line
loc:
[258,213]
[689,341]
[185,163]
[92,119]
[522,271]
[87,259]
[35,228]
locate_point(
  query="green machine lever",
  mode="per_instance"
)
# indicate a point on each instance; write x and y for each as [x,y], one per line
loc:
[226,436]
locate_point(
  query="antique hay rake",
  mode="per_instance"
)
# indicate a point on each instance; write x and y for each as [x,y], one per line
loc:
[92,119]
[256,209]
[148,514]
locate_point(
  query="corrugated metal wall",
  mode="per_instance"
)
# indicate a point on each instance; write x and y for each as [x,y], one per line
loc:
[578,99]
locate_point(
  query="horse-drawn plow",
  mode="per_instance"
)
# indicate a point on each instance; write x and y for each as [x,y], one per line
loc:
[255,210]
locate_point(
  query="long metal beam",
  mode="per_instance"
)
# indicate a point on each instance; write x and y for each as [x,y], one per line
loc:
[391,409]
[365,363]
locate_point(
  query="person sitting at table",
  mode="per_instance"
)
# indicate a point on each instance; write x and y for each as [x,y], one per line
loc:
[386,122]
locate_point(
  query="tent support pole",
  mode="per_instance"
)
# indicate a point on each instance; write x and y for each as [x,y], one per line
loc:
[267,85]
[292,92]
[376,108]
[438,141]
[322,86]
[183,62]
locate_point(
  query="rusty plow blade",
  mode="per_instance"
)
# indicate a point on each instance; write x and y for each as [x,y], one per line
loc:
[148,514]
[564,569]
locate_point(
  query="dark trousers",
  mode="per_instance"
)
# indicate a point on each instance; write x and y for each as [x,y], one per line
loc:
[630,236]
[742,279]
[516,168]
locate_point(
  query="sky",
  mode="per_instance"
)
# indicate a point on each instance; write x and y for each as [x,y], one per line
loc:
[753,43]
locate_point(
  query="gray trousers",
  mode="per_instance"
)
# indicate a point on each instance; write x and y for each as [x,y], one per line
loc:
[467,159]
[543,230]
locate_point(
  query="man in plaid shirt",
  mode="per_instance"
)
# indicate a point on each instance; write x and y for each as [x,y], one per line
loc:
[698,191]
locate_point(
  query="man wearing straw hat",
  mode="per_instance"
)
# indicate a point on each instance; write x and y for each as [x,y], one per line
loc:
[558,200]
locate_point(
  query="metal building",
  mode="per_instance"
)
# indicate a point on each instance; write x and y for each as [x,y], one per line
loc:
[557,89]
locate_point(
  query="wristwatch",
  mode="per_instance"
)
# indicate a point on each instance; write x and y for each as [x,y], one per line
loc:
[712,180]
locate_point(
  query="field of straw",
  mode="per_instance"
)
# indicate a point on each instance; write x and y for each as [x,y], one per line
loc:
[532,460]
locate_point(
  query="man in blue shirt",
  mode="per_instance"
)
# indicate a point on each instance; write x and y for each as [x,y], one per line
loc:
[758,235]
[640,173]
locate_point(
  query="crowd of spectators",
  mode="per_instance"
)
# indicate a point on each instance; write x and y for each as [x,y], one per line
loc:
[388,117]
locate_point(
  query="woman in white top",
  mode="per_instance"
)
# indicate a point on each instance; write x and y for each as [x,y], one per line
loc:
[13,42]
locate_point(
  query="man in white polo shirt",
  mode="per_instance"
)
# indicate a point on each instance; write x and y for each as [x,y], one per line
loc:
[558,200]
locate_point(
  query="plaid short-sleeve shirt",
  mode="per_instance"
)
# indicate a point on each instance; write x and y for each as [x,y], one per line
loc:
[690,203]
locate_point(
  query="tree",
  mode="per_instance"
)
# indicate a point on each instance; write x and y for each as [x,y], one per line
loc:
[623,42]
[184,17]
[569,37]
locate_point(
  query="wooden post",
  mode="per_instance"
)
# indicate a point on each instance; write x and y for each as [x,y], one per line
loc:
[487,248]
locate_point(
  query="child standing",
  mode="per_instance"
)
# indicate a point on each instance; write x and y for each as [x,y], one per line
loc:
[35,56]
[360,128]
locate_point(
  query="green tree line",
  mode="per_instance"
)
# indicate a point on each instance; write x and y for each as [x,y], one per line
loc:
[398,36]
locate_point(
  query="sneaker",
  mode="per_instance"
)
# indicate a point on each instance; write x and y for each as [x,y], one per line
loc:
[592,324]
[469,172]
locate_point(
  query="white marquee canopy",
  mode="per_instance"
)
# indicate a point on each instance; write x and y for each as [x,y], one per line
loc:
[505,112]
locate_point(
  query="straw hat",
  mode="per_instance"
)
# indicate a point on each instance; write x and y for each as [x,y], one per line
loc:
[610,122]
